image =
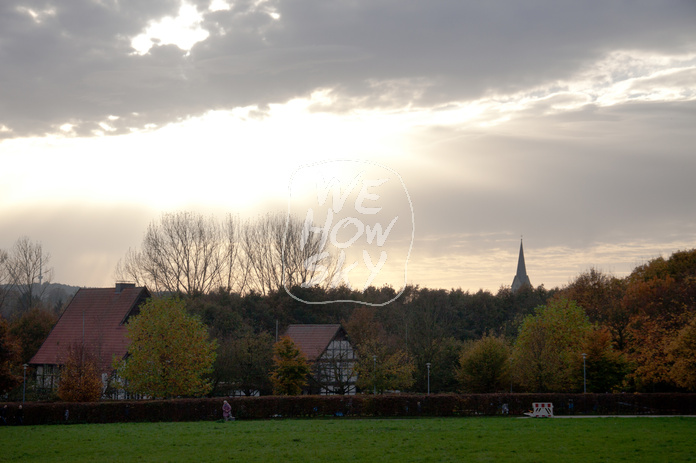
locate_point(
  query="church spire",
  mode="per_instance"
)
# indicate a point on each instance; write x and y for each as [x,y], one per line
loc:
[521,278]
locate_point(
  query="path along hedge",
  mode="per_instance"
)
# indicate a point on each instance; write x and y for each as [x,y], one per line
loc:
[388,405]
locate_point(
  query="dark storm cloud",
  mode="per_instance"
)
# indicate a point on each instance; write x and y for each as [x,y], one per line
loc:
[73,63]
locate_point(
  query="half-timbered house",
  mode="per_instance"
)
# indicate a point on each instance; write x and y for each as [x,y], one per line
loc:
[331,356]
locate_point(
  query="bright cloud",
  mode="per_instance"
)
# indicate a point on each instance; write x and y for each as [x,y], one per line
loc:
[184,31]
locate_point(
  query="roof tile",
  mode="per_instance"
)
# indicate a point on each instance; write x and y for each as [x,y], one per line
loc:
[95,316]
[312,339]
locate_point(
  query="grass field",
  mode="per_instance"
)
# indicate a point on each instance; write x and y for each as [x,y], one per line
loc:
[365,440]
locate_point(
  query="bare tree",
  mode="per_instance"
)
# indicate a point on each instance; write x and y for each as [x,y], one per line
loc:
[183,253]
[26,264]
[262,252]
[279,253]
[5,280]
[234,271]
[187,253]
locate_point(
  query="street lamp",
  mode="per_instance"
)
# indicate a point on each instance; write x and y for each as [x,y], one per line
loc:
[584,374]
[428,365]
[374,374]
[24,392]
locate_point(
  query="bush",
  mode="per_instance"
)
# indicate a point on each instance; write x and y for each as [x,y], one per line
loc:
[386,405]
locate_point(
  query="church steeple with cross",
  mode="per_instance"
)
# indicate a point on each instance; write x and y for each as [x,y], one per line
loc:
[521,278]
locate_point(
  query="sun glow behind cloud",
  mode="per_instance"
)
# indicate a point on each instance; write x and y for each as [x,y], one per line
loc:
[239,160]
[227,159]
[184,31]
[241,157]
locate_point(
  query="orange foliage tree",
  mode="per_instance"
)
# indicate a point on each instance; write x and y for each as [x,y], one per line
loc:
[32,329]
[79,378]
[601,296]
[683,353]
[662,297]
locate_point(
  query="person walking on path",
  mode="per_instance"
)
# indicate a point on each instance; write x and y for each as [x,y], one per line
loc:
[226,410]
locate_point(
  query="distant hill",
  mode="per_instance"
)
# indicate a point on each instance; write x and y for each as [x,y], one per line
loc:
[54,295]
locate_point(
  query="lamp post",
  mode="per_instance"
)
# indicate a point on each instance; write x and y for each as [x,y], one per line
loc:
[24,391]
[584,374]
[374,374]
[428,365]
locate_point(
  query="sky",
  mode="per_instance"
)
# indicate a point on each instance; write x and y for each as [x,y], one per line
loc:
[570,124]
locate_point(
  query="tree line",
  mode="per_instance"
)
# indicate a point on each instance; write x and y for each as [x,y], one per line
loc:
[637,333]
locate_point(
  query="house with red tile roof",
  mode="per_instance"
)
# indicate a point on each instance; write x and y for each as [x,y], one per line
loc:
[96,317]
[331,356]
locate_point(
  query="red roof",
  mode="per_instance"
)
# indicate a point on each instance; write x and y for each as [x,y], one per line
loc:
[313,339]
[97,316]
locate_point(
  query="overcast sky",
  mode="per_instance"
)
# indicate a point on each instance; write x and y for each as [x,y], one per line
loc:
[570,123]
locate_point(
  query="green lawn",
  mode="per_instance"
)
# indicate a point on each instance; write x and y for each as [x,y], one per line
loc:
[364,440]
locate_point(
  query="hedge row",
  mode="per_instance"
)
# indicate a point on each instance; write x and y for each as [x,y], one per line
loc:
[389,405]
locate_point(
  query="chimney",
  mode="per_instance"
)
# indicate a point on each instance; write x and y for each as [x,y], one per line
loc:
[120,286]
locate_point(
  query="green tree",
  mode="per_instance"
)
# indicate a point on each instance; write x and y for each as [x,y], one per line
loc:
[383,369]
[443,356]
[244,363]
[290,368]
[485,366]
[9,359]
[170,353]
[79,378]
[548,346]
[606,368]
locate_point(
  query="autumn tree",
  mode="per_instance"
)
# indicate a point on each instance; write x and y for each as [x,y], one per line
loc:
[170,353]
[485,366]
[363,326]
[661,295]
[32,329]
[79,377]
[683,352]
[601,295]
[10,357]
[546,352]
[290,369]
